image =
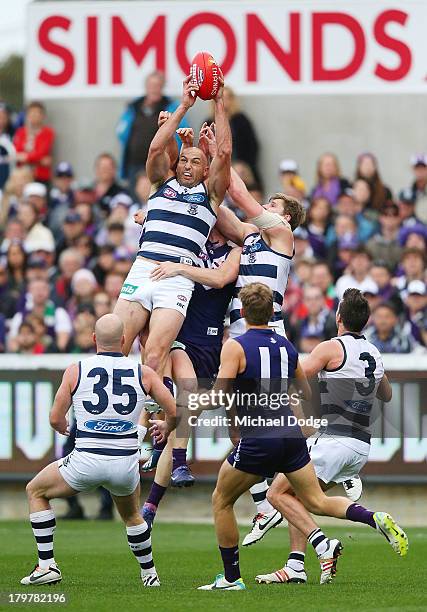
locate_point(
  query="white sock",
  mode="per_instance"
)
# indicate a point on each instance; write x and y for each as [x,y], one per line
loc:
[318,540]
[259,495]
[43,524]
[296,560]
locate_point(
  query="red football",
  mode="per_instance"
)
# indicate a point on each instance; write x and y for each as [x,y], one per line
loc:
[206,73]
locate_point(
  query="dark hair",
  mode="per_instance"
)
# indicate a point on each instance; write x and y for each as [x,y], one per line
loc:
[412,251]
[36,104]
[354,310]
[257,303]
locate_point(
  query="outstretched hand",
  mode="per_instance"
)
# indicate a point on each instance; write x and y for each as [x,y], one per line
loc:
[163,117]
[220,92]
[189,91]
[207,140]
[186,136]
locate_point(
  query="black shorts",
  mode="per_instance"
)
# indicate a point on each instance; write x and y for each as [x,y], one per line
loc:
[205,359]
[265,457]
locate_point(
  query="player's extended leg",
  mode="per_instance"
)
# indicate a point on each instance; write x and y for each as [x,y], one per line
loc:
[230,486]
[165,324]
[138,534]
[47,485]
[185,377]
[160,483]
[134,317]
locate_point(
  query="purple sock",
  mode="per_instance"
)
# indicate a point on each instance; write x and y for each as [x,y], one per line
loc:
[156,494]
[359,514]
[179,456]
[168,382]
[159,446]
[230,559]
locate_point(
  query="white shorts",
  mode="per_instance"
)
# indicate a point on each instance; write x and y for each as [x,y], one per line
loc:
[332,460]
[86,471]
[238,328]
[174,293]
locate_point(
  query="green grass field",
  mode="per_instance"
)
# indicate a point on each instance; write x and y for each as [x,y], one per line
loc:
[100,573]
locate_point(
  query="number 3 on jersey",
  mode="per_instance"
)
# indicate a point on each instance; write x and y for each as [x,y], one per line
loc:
[362,388]
[119,389]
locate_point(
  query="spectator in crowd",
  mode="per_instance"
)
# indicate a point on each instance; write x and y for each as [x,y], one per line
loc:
[416,310]
[414,237]
[36,194]
[56,318]
[302,245]
[362,195]
[406,203]
[142,190]
[347,205]
[357,274]
[14,231]
[321,277]
[290,178]
[13,193]
[72,229]
[35,232]
[330,184]
[7,150]
[123,261]
[319,321]
[122,211]
[419,185]
[83,328]
[83,287]
[413,268]
[27,341]
[309,340]
[87,248]
[104,263]
[387,335]
[318,223]
[245,141]
[372,294]
[384,244]
[367,169]
[138,124]
[382,276]
[7,299]
[34,142]
[61,196]
[106,184]
[69,262]
[113,285]
[101,304]
[16,266]
[40,330]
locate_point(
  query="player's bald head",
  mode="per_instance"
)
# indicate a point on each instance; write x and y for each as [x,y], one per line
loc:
[109,332]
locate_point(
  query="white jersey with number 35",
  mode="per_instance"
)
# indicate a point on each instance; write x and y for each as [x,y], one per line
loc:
[107,402]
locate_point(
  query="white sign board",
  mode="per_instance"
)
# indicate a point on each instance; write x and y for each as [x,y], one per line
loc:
[87,49]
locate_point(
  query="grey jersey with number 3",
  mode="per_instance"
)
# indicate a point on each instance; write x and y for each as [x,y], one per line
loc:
[348,392]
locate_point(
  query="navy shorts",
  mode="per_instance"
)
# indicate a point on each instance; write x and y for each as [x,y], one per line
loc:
[205,359]
[266,457]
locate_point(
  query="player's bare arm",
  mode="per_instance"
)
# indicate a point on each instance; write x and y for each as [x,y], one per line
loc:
[384,390]
[158,161]
[219,174]
[217,278]
[231,227]
[269,219]
[172,147]
[328,354]
[63,400]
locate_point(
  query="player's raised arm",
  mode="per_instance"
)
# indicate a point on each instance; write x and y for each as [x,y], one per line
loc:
[231,227]
[172,147]
[240,195]
[63,399]
[217,278]
[219,174]
[384,390]
[158,161]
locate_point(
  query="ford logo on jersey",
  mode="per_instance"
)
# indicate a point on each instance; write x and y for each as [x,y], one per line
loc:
[194,198]
[110,425]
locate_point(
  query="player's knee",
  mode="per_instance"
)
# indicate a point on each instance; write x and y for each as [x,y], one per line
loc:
[31,489]
[153,357]
[272,497]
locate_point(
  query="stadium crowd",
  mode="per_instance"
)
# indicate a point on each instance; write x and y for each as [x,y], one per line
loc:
[66,246]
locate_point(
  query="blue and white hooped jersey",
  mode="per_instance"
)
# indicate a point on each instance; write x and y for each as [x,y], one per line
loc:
[107,402]
[177,224]
[348,393]
[260,264]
